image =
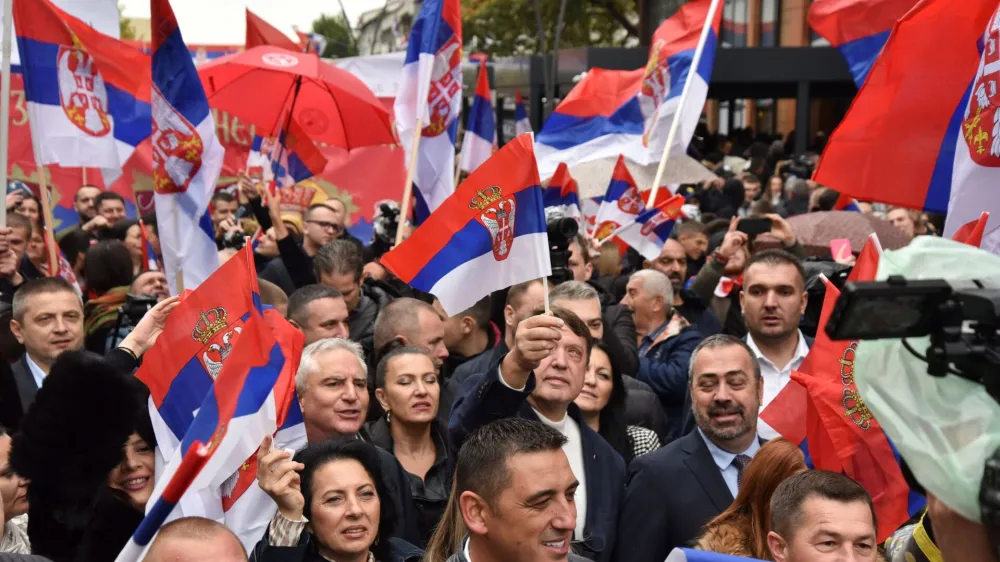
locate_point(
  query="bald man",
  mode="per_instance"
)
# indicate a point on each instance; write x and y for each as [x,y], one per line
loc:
[195,539]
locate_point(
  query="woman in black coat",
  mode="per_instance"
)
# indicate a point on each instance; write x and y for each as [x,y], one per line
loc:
[335,491]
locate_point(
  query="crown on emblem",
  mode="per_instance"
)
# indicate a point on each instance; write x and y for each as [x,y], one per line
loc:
[210,323]
[486,197]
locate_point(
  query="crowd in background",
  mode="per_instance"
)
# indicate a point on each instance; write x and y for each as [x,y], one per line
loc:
[618,427]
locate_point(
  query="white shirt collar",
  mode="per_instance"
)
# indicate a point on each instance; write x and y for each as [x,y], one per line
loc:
[801,350]
[468,558]
[36,371]
[724,458]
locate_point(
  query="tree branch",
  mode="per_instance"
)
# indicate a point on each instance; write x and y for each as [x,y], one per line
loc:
[616,15]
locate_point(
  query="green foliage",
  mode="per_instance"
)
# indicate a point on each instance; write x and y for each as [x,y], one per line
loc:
[509,27]
[125,25]
[340,42]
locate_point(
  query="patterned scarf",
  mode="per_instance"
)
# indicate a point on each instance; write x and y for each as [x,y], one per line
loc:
[15,536]
[103,310]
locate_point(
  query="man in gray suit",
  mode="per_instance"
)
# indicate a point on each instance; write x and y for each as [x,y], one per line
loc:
[47,320]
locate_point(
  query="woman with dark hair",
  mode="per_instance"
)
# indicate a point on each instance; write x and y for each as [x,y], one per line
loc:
[108,268]
[408,390]
[129,233]
[741,530]
[85,447]
[602,402]
[333,489]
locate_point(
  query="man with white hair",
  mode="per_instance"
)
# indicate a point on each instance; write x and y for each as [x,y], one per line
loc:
[332,386]
[666,341]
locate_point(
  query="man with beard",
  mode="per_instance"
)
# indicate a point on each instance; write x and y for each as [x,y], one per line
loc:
[774,299]
[674,491]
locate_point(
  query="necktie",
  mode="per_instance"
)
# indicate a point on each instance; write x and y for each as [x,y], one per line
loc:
[741,462]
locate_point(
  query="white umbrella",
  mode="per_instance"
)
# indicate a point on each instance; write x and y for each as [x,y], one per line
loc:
[592,177]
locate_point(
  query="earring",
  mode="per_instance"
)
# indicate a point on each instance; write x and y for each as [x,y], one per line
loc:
[388,417]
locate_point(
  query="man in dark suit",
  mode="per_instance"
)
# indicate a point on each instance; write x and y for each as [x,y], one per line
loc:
[674,491]
[539,380]
[47,320]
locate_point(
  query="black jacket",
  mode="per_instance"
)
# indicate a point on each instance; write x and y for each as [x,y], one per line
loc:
[430,494]
[698,315]
[305,551]
[17,392]
[644,409]
[361,320]
[484,399]
[671,494]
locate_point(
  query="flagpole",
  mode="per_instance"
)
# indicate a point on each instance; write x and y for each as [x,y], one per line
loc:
[85,177]
[404,208]
[685,93]
[50,223]
[8,19]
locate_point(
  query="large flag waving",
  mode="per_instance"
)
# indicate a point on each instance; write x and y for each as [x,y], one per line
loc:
[951,157]
[857,28]
[669,71]
[87,94]
[430,93]
[481,129]
[490,234]
[187,157]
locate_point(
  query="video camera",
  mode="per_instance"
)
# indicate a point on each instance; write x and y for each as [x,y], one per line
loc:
[561,231]
[129,315]
[800,166]
[962,319]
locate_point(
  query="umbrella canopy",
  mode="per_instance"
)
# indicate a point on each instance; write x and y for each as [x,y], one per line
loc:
[332,106]
[816,230]
[592,177]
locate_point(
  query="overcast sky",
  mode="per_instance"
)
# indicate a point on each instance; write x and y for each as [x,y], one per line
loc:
[224,21]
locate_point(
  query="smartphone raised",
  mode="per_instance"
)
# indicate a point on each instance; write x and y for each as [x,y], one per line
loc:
[753,227]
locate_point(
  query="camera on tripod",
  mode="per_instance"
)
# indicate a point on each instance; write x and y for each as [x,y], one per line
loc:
[561,231]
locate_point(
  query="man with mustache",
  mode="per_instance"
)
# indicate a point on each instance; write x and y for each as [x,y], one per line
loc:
[674,491]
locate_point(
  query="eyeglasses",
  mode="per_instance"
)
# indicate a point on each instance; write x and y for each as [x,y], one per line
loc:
[327,225]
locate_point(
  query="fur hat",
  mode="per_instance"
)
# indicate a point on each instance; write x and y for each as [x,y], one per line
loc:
[71,438]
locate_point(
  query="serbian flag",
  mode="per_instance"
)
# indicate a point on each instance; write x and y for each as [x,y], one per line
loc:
[287,158]
[971,233]
[846,203]
[197,340]
[481,129]
[311,43]
[61,267]
[652,227]
[490,234]
[259,32]
[430,92]
[87,94]
[187,157]
[622,203]
[599,118]
[950,159]
[522,124]
[857,28]
[680,62]
[238,411]
[563,195]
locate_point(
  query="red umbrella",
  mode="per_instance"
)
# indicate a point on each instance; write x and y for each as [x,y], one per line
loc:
[332,106]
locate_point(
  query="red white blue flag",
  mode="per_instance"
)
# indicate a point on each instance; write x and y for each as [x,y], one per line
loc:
[187,157]
[87,94]
[481,129]
[940,150]
[287,158]
[522,124]
[431,91]
[490,234]
[562,195]
[652,227]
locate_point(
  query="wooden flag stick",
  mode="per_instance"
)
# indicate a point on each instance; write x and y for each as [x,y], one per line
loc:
[84,176]
[50,223]
[8,19]
[404,207]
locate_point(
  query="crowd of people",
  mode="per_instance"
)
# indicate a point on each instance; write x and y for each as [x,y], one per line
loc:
[617,427]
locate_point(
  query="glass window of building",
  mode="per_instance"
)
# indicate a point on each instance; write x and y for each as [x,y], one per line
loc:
[734,23]
[769,10]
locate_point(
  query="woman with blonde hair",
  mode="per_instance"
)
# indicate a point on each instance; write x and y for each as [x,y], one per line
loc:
[741,530]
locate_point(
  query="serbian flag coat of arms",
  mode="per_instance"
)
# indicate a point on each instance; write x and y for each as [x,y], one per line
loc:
[87,94]
[490,234]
